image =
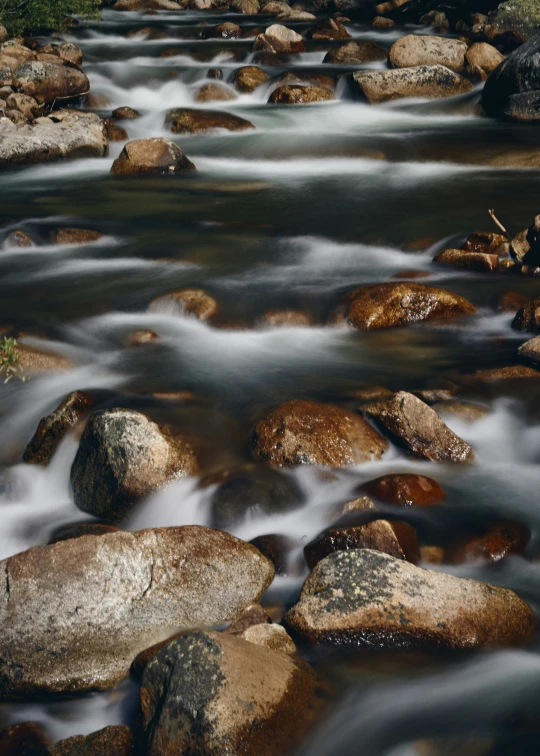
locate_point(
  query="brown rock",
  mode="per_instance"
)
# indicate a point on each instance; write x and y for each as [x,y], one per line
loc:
[53,428]
[511,301]
[249,7]
[248,78]
[356,52]
[192,121]
[79,529]
[4,36]
[146,5]
[367,598]
[203,692]
[301,432]
[252,614]
[397,304]
[30,359]
[486,241]
[418,428]
[152,156]
[425,50]
[286,318]
[18,238]
[76,613]
[116,740]
[115,133]
[188,301]
[484,56]
[466,411]
[274,8]
[24,104]
[25,739]
[498,540]
[380,22]
[508,373]
[46,82]
[70,53]
[214,92]
[531,349]
[528,317]
[137,338]
[75,236]
[525,247]
[330,28]
[459,258]
[125,113]
[279,39]
[272,636]
[430,82]
[405,490]
[226,30]
[295,95]
[17,51]
[276,548]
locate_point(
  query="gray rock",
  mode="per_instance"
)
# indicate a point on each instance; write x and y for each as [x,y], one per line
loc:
[524,106]
[76,613]
[518,73]
[430,82]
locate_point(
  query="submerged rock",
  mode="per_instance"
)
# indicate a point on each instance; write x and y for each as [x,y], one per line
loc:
[330,28]
[125,113]
[204,691]
[76,613]
[152,156]
[300,95]
[425,50]
[188,302]
[47,82]
[366,598]
[115,740]
[193,121]
[302,432]
[356,52]
[493,544]
[75,236]
[531,349]
[429,82]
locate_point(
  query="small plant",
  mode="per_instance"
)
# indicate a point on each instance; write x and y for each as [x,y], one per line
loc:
[9,361]
[29,16]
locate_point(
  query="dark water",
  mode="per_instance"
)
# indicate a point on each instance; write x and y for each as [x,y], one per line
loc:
[315,201]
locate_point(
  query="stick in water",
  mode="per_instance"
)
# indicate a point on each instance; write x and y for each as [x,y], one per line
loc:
[497,222]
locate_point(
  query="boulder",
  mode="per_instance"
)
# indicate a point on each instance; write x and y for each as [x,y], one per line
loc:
[429,82]
[424,50]
[527,317]
[531,349]
[355,52]
[303,432]
[330,28]
[405,490]
[415,426]
[53,428]
[76,613]
[79,529]
[397,304]
[252,614]
[214,92]
[248,78]
[275,7]
[279,39]
[203,693]
[125,113]
[66,135]
[459,258]
[47,82]
[192,121]
[380,22]
[116,740]
[485,56]
[24,739]
[16,51]
[514,22]
[70,53]
[367,598]
[300,95]
[187,302]
[524,106]
[152,156]
[518,73]
[122,458]
[486,241]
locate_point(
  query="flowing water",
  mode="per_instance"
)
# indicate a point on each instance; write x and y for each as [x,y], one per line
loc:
[315,201]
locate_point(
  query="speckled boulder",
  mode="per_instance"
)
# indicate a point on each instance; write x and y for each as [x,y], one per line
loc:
[429,82]
[427,50]
[76,613]
[366,598]
[213,693]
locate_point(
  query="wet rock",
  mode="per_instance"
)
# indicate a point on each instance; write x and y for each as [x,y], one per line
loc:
[405,490]
[397,304]
[24,104]
[214,92]
[67,135]
[437,19]
[46,82]
[187,302]
[16,117]
[116,740]
[524,106]
[53,428]
[531,349]
[424,50]
[122,458]
[75,614]
[192,121]
[226,30]
[276,548]
[525,246]
[528,317]
[486,241]
[519,72]
[356,52]
[459,258]
[248,78]
[498,540]
[115,133]
[466,411]
[277,318]
[330,28]
[485,56]
[203,692]
[304,78]
[429,82]
[367,598]
[79,529]
[18,238]
[272,636]
[152,156]
[70,53]
[12,49]
[380,22]
[25,739]
[514,22]
[125,114]
[302,432]
[511,301]
[75,236]
[299,95]
[249,7]
[279,39]
[415,426]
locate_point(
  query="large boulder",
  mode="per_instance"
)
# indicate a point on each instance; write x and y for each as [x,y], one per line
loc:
[356,52]
[67,134]
[416,426]
[116,740]
[152,156]
[214,693]
[302,432]
[429,82]
[300,95]
[76,613]
[425,50]
[397,304]
[518,73]
[122,458]
[367,598]
[47,82]
[514,22]
[193,121]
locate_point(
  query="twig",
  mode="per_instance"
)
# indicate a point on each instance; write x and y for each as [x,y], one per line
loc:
[497,222]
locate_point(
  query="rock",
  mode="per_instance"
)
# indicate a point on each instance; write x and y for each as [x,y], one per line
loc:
[276,548]
[4,36]
[519,72]
[16,117]
[125,114]
[498,540]
[296,15]
[514,22]
[192,121]
[330,28]
[485,56]
[79,529]
[252,614]
[274,8]
[525,246]
[248,78]
[437,19]
[405,490]
[424,50]
[511,301]
[459,258]
[122,458]
[145,5]
[46,82]
[187,302]
[227,30]
[68,135]
[272,636]
[415,426]
[286,319]
[429,82]
[397,304]
[466,411]
[24,104]
[279,39]
[116,740]
[355,52]
[380,22]
[25,739]
[70,53]
[16,51]
[531,349]
[303,432]
[214,92]
[75,614]
[53,428]
[115,133]
[299,95]
[6,76]
[17,239]
[486,241]
[152,156]
[367,598]
[528,317]
[524,106]
[204,691]
[75,236]
[249,7]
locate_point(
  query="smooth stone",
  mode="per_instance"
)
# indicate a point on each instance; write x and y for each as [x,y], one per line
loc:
[429,82]
[425,50]
[152,156]
[248,78]
[527,317]
[192,121]
[405,490]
